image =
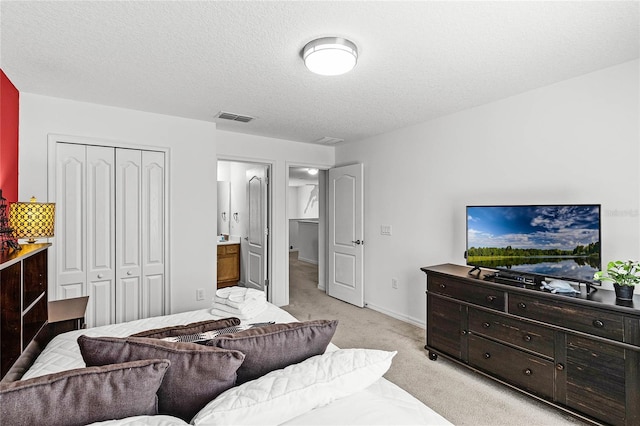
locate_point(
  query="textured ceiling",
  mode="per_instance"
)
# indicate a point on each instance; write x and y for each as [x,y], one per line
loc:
[418,60]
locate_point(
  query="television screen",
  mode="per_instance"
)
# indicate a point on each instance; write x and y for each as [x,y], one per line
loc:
[553,241]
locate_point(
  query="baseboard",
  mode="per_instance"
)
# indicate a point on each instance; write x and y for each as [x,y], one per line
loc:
[407,319]
[302,259]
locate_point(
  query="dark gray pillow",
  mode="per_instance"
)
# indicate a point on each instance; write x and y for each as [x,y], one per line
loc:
[197,375]
[84,395]
[276,346]
[193,328]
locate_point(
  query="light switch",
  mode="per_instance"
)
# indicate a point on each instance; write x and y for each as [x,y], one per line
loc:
[385,229]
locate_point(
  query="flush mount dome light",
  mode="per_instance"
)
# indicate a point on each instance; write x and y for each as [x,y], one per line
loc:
[330,56]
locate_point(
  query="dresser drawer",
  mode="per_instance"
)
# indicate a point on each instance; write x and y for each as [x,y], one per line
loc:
[574,317]
[489,298]
[515,332]
[519,368]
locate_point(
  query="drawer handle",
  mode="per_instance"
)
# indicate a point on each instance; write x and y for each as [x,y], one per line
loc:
[528,372]
[598,324]
[491,299]
[463,332]
[486,324]
[487,355]
[522,305]
[559,367]
[443,286]
[527,338]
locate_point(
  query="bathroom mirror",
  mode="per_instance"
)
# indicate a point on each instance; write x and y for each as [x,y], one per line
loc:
[224,204]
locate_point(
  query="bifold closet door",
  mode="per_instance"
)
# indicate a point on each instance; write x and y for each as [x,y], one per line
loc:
[140,234]
[85,228]
[110,231]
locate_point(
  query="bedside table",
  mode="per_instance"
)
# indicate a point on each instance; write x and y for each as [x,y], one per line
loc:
[67,315]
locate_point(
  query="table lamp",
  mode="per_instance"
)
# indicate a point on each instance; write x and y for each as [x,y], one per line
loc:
[32,220]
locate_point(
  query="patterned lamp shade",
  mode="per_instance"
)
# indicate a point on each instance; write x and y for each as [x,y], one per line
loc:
[32,220]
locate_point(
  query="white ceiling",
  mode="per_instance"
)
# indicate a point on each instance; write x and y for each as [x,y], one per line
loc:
[299,176]
[418,60]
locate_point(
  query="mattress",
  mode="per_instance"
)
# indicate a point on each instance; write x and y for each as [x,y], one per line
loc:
[382,403]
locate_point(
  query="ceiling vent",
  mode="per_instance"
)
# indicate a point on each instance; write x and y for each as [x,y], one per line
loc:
[234,117]
[327,140]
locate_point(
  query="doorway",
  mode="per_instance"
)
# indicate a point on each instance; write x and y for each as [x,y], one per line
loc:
[306,218]
[243,218]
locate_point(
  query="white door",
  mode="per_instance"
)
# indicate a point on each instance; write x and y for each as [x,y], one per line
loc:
[129,234]
[84,249]
[258,232]
[100,218]
[111,230]
[153,243]
[346,234]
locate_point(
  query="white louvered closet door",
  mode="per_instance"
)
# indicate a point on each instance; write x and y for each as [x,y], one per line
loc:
[111,231]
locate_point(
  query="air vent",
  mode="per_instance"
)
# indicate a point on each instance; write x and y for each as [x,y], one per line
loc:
[327,140]
[234,117]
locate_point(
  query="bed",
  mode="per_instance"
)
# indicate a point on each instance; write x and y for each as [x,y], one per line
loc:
[339,386]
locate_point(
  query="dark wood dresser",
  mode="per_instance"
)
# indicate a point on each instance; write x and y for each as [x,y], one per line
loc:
[579,353]
[23,300]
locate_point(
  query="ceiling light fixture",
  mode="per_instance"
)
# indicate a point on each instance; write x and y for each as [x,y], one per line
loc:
[330,56]
[312,172]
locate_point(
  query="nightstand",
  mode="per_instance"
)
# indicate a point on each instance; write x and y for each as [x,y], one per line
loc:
[67,315]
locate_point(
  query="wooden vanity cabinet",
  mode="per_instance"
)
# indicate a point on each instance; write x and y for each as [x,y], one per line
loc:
[580,353]
[228,265]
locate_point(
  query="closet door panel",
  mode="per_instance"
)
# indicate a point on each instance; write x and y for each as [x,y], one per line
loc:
[100,233]
[100,304]
[153,304]
[128,234]
[128,297]
[153,224]
[70,221]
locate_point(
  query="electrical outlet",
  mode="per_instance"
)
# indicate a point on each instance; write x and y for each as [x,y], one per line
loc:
[385,229]
[200,294]
[394,283]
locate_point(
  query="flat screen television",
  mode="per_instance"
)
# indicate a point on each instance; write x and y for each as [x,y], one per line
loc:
[545,241]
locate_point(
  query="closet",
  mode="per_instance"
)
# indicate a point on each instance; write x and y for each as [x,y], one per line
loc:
[110,230]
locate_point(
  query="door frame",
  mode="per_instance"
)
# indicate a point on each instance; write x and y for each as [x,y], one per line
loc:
[52,140]
[270,172]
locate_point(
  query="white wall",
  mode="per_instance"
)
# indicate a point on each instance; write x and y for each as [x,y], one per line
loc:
[280,154]
[572,142]
[192,178]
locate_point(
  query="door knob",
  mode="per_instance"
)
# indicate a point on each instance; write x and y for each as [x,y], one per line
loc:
[357,242]
[129,272]
[100,275]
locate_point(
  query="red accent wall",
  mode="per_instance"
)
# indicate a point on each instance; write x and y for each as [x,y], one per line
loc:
[9,116]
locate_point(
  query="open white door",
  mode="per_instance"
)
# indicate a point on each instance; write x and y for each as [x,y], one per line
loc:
[258,232]
[346,232]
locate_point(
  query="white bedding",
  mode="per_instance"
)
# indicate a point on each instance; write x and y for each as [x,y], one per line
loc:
[381,403]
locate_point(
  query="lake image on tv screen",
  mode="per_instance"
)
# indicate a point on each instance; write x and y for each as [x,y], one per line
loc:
[554,241]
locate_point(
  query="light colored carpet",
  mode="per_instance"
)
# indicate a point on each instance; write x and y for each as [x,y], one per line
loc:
[460,395]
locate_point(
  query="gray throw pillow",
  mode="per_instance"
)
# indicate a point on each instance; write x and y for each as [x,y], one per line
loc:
[276,346]
[197,375]
[84,395]
[193,328]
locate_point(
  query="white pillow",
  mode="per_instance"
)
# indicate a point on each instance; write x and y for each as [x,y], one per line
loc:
[159,420]
[284,394]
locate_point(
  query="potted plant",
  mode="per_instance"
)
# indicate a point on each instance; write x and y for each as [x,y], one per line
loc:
[624,275]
